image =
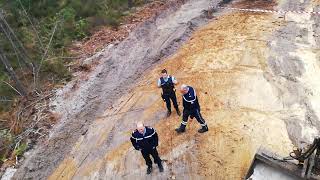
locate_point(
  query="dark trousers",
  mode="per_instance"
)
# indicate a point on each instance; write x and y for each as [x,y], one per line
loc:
[195,113]
[173,98]
[154,153]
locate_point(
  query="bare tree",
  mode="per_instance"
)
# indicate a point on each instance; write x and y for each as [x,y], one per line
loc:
[19,87]
[130,3]
[44,56]
[14,41]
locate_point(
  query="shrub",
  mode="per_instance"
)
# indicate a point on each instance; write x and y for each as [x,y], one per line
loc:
[6,140]
[55,70]
[81,30]
[20,149]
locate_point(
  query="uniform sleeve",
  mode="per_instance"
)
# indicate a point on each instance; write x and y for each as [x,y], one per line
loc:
[159,83]
[174,80]
[156,138]
[197,100]
[193,94]
[134,142]
[197,104]
[184,102]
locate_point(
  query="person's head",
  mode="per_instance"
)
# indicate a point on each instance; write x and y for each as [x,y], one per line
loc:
[164,73]
[140,127]
[184,89]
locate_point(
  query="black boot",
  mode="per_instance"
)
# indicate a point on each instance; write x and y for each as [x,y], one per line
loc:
[160,167]
[180,130]
[168,113]
[203,129]
[149,170]
[178,111]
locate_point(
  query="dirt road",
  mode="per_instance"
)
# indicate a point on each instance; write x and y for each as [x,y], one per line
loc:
[257,78]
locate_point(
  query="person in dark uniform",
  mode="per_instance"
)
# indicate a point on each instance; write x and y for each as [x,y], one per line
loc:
[167,82]
[145,139]
[191,108]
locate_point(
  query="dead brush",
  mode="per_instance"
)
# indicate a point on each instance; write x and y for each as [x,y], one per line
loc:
[253,4]
[28,121]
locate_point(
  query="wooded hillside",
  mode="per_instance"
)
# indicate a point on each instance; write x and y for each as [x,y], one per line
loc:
[34,39]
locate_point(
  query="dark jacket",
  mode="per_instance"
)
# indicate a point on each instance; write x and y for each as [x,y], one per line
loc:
[144,142]
[167,86]
[190,100]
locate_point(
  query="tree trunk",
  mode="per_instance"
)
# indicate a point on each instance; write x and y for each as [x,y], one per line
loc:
[15,43]
[130,3]
[19,87]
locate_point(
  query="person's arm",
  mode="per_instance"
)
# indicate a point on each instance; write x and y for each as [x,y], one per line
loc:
[197,104]
[134,142]
[174,80]
[159,83]
[156,139]
[153,138]
[184,102]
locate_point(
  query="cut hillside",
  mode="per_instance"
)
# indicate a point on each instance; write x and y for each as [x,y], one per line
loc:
[256,76]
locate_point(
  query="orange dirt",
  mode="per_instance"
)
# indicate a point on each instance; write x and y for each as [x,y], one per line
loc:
[108,35]
[265,4]
[222,61]
[315,2]
[212,62]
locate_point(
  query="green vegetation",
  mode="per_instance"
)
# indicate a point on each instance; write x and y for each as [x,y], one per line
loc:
[7,146]
[35,34]
[20,149]
[34,40]
[6,140]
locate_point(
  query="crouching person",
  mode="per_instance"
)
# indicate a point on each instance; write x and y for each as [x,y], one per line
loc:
[145,139]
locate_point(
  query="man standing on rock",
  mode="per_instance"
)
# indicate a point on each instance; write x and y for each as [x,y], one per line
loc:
[191,108]
[145,139]
[167,82]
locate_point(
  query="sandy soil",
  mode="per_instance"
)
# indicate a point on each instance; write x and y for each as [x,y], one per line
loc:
[225,62]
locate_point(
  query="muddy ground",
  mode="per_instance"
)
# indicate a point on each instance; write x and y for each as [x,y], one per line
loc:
[256,75]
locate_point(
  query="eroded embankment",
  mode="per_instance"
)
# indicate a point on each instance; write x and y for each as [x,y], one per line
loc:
[118,69]
[294,70]
[241,65]
[81,102]
[226,62]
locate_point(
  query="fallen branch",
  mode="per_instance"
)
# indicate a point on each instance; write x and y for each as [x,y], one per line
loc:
[77,57]
[35,102]
[6,100]
[12,87]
